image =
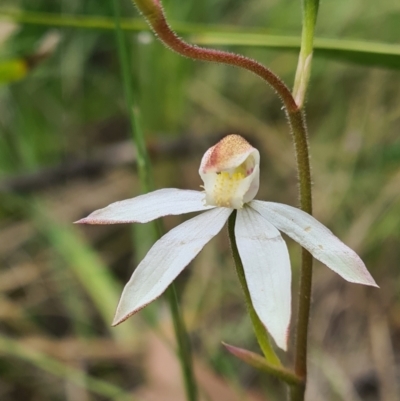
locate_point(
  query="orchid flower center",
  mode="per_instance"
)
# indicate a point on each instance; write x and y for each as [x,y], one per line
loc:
[230,172]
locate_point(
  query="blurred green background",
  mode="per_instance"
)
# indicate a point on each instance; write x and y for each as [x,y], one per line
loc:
[66,149]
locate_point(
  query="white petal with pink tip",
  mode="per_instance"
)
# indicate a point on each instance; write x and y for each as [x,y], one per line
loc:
[166,259]
[317,239]
[266,265]
[148,207]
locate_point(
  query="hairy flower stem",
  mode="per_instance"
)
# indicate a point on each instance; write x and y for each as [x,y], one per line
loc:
[154,14]
[259,329]
[304,303]
[310,12]
[145,175]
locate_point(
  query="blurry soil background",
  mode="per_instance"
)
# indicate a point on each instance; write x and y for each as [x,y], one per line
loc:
[66,150]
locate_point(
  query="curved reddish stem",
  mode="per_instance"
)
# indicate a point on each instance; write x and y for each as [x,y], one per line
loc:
[156,18]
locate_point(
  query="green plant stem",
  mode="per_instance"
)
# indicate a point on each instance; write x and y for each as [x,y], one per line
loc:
[145,176]
[303,167]
[310,11]
[303,72]
[259,329]
[185,353]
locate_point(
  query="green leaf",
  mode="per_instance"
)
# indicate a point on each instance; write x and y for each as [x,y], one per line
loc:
[365,53]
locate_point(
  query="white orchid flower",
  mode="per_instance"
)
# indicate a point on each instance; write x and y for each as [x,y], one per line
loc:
[230,172]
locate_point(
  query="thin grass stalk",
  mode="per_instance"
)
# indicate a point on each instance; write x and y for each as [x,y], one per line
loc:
[145,175]
[185,352]
[143,162]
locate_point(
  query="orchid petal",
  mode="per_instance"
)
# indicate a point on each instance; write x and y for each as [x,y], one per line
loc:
[317,239]
[266,266]
[149,207]
[166,259]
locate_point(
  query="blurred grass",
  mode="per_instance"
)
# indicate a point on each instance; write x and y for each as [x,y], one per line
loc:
[91,272]
[13,348]
[367,53]
[71,104]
